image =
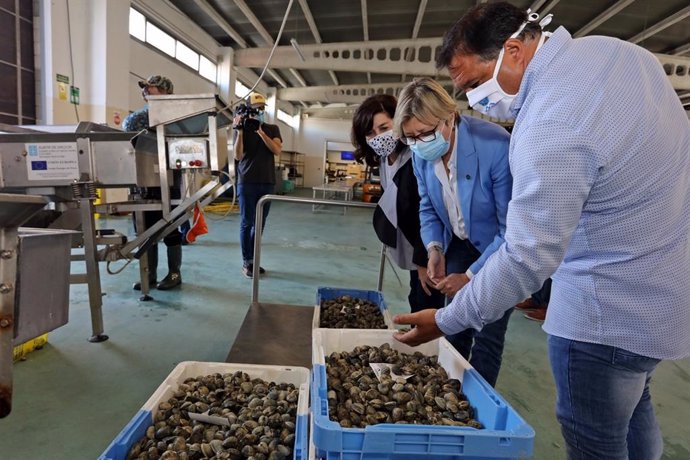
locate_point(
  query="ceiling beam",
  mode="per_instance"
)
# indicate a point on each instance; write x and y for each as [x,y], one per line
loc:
[418,20]
[365,27]
[536,5]
[221,22]
[253,20]
[385,56]
[602,18]
[676,68]
[684,49]
[548,7]
[661,25]
[232,33]
[348,94]
[315,32]
[415,29]
[372,56]
[298,77]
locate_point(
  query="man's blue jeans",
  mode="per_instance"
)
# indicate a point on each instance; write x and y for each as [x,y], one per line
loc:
[249,195]
[483,349]
[603,402]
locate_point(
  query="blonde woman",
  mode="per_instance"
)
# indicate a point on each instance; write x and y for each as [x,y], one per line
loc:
[461,165]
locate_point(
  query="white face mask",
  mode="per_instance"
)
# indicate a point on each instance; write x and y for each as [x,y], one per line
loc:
[383,144]
[489,98]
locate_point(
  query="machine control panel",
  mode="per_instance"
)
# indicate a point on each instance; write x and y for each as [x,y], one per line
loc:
[187,153]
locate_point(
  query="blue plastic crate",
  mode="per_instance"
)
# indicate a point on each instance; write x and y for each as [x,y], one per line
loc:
[136,428]
[330,293]
[505,436]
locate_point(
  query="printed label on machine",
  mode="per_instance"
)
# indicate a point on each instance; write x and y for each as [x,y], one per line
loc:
[54,160]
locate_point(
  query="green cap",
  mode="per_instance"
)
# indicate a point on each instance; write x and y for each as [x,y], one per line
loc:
[158,81]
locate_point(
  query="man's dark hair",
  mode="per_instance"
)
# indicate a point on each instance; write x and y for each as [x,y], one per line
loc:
[362,124]
[483,30]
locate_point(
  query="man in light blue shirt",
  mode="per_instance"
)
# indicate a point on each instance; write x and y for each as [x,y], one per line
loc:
[600,157]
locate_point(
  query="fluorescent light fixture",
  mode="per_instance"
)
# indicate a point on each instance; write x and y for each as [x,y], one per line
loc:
[298,50]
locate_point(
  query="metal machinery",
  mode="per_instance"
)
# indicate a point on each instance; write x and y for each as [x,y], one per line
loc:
[57,174]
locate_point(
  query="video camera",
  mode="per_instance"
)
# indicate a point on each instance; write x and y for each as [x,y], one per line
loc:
[248,122]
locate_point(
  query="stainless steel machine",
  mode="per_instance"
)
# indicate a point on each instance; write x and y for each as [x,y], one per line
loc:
[65,167]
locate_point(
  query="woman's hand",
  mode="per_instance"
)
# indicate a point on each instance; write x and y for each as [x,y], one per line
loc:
[451,284]
[424,280]
[436,268]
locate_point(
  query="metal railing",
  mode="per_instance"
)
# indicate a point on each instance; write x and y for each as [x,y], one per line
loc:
[258,223]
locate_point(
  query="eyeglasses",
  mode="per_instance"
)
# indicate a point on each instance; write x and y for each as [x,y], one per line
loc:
[423,137]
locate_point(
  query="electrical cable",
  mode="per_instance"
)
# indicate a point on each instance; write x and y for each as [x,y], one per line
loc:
[268,61]
[71,59]
[117,272]
[221,207]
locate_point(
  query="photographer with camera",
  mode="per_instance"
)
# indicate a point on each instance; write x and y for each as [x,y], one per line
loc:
[256,147]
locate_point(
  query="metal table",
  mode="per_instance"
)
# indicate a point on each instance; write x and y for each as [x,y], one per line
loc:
[328,190]
[280,334]
[14,210]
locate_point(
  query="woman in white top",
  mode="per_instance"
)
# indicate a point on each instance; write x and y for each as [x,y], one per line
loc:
[396,217]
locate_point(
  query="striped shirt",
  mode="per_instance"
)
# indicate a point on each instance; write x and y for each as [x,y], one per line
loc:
[600,156]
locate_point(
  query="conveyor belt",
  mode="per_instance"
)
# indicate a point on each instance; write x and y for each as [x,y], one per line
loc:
[274,334]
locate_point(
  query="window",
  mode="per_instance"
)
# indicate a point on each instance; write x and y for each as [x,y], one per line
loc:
[207,69]
[290,120]
[185,54]
[17,79]
[141,29]
[137,24]
[160,39]
[241,91]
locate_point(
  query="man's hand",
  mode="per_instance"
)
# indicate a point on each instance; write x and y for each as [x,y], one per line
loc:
[275,145]
[436,268]
[237,120]
[262,134]
[424,280]
[425,328]
[451,284]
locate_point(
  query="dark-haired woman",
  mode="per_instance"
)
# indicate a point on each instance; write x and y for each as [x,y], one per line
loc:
[396,217]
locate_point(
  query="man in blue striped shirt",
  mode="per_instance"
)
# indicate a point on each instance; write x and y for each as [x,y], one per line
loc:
[600,156]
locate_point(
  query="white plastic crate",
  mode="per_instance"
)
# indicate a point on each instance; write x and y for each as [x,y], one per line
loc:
[505,435]
[136,428]
[330,293]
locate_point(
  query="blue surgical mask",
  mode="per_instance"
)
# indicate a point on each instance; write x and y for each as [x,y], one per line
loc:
[433,150]
[260,117]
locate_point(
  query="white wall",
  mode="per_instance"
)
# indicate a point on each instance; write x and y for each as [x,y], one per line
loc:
[108,63]
[97,28]
[310,140]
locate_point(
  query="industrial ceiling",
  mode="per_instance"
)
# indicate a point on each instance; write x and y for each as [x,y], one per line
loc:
[251,26]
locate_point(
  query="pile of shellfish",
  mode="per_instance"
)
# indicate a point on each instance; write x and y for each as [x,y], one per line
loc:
[258,421]
[413,389]
[347,312]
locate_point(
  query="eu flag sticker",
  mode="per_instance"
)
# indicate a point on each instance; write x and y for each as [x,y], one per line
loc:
[39,165]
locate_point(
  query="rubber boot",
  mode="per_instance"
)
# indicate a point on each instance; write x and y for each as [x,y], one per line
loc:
[152,254]
[174,278]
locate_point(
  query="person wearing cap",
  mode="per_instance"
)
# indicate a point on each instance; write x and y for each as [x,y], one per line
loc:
[136,121]
[255,153]
[155,85]
[601,201]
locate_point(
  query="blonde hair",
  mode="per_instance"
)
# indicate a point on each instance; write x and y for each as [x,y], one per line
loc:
[424,99]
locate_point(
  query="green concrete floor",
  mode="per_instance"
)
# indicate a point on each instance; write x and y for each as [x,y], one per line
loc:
[73,397]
